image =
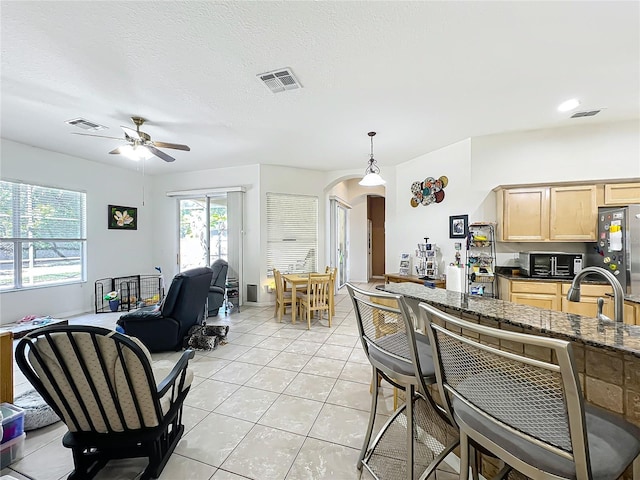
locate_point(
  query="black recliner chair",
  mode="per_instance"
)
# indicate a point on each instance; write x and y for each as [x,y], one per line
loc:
[218,285]
[164,328]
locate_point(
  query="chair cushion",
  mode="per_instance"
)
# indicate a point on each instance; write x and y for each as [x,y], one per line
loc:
[613,442]
[403,367]
[163,368]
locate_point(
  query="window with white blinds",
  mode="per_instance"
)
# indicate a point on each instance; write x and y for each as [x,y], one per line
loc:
[292,233]
[42,236]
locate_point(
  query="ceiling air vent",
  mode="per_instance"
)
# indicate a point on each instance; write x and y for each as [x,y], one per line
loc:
[590,113]
[86,124]
[280,80]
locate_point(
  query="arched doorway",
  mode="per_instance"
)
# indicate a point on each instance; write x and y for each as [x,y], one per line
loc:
[355,250]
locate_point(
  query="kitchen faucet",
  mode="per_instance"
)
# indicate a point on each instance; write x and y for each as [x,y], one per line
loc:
[618,294]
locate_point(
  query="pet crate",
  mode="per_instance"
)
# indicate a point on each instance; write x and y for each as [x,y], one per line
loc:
[134,291]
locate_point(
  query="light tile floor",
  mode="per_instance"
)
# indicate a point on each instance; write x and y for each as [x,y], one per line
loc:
[277,402]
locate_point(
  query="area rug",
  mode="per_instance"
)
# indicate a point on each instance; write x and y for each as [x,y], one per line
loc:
[37,413]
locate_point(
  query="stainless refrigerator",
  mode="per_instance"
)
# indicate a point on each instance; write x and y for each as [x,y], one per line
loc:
[618,245]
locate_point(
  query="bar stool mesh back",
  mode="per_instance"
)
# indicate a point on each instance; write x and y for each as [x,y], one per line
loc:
[529,413]
[403,357]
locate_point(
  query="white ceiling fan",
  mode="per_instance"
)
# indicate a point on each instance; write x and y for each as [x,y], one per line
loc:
[139,144]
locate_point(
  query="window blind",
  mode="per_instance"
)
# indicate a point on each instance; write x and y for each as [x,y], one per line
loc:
[292,233]
[42,235]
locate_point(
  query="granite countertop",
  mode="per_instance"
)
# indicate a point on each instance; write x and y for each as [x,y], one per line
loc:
[590,331]
[632,298]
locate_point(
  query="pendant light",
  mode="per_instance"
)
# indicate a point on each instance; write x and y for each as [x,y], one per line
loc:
[372,176]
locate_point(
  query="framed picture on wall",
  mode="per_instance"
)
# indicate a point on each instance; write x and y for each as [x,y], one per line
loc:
[458,226]
[122,218]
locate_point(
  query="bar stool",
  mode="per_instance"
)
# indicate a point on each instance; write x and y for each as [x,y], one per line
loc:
[418,436]
[529,413]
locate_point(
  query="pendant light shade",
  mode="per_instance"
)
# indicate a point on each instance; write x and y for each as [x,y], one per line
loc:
[372,176]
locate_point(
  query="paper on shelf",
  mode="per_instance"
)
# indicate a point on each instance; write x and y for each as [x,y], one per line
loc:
[615,237]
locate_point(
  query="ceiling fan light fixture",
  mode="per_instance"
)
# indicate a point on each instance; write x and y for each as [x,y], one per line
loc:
[372,176]
[135,152]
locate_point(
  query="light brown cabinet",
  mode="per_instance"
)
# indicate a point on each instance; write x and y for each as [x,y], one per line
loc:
[573,213]
[621,193]
[553,296]
[548,214]
[631,313]
[536,294]
[589,294]
[523,214]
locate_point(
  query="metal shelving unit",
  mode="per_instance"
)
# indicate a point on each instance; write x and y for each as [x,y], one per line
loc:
[481,260]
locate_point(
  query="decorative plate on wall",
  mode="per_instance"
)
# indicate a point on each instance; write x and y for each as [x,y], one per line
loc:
[429,191]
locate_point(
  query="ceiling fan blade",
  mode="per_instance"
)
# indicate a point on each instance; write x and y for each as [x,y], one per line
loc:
[92,135]
[130,132]
[177,146]
[115,151]
[159,154]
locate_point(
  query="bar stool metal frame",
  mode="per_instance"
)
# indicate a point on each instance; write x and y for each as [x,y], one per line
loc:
[403,358]
[529,413]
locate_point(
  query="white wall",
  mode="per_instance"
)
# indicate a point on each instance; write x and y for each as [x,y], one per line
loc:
[109,252]
[476,166]
[410,225]
[166,218]
[589,152]
[555,155]
[277,179]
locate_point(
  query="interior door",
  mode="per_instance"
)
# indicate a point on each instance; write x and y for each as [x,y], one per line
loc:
[342,244]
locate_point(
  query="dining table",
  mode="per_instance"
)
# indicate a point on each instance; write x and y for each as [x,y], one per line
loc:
[295,280]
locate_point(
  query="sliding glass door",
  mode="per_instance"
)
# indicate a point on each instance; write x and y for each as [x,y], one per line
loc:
[342,242]
[339,239]
[211,228]
[203,231]
[194,240]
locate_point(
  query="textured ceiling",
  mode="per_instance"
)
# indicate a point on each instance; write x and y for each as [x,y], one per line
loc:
[423,75]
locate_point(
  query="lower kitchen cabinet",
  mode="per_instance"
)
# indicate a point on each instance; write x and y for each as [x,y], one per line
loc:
[536,294]
[631,312]
[589,295]
[553,296]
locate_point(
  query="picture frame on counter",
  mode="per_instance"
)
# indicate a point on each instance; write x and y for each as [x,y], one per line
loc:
[458,226]
[405,264]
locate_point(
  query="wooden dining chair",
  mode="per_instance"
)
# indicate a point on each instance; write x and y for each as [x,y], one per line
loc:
[283,298]
[316,298]
[332,287]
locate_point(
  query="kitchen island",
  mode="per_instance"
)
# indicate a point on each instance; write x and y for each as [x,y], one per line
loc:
[607,353]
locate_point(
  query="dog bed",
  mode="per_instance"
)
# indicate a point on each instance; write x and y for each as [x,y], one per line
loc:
[206,337]
[37,413]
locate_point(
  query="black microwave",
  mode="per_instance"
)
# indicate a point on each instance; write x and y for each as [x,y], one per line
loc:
[550,264]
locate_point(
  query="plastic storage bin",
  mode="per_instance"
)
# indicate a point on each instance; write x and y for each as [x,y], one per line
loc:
[12,422]
[12,451]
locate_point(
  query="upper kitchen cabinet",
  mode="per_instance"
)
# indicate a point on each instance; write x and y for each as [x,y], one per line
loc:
[547,214]
[621,193]
[523,214]
[573,213]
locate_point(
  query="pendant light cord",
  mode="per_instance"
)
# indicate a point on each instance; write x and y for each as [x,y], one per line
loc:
[373,167]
